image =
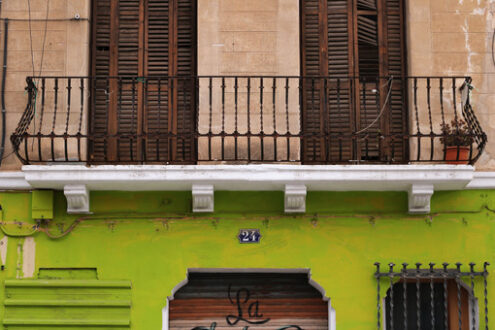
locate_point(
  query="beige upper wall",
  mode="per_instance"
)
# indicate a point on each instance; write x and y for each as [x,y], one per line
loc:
[454,37]
[66,51]
[255,37]
[445,37]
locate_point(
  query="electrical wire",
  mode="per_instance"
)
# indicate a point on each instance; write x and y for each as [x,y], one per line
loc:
[31,35]
[493,47]
[390,81]
[7,233]
[42,19]
[44,36]
[7,155]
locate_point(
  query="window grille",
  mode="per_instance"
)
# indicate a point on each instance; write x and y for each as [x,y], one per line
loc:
[432,298]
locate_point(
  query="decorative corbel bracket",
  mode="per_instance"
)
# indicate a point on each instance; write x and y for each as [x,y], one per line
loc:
[420,198]
[77,199]
[203,198]
[295,198]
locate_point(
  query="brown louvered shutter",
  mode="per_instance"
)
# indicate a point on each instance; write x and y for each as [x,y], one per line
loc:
[145,109]
[326,52]
[126,101]
[185,66]
[364,39]
[340,118]
[312,55]
[100,67]
[396,66]
[158,65]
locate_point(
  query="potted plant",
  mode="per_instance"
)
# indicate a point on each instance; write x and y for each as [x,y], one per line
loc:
[457,139]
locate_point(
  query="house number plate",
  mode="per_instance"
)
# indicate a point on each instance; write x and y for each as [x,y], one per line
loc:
[249,236]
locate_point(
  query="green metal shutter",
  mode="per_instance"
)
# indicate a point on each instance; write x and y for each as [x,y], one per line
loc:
[67,304]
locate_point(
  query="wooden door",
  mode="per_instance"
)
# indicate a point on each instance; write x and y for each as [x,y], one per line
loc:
[144,61]
[346,46]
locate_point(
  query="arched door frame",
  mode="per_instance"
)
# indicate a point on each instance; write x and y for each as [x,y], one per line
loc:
[314,284]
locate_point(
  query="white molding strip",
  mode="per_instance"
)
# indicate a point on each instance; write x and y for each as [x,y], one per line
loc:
[482,180]
[249,177]
[254,178]
[13,181]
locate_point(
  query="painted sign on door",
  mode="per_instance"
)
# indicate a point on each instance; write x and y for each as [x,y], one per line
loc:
[269,301]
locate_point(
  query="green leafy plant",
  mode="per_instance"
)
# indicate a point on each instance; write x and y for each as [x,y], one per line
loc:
[456,134]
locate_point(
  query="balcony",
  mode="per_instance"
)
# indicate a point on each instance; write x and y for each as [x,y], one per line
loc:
[247,119]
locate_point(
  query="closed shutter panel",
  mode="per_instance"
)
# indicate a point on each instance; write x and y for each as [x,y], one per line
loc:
[326,52]
[186,70]
[340,57]
[312,42]
[127,102]
[157,88]
[101,67]
[396,67]
[149,41]
[266,301]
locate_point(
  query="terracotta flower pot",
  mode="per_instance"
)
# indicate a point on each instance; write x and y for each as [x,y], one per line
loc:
[451,155]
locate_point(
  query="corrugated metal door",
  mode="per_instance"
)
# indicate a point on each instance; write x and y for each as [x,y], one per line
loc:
[248,300]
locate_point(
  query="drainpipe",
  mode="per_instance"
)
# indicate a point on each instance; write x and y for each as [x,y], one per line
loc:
[4,76]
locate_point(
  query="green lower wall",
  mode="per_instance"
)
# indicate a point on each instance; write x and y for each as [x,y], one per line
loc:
[152,239]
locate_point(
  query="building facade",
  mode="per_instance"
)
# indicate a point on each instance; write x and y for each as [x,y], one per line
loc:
[226,164]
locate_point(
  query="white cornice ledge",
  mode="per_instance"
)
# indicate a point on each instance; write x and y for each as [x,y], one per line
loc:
[482,180]
[13,181]
[250,177]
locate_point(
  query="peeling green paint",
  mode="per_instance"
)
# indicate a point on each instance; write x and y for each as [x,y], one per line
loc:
[152,238]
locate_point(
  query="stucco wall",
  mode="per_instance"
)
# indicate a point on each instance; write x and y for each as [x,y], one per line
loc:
[454,38]
[66,51]
[151,239]
[445,37]
[248,38]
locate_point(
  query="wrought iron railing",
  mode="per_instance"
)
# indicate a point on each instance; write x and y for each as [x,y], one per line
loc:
[247,119]
[445,297]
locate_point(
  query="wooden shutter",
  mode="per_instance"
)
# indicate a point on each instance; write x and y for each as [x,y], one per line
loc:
[266,301]
[148,108]
[397,123]
[326,64]
[340,118]
[158,65]
[185,67]
[352,38]
[311,66]
[100,67]
[126,98]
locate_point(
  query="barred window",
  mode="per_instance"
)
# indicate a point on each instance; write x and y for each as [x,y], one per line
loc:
[432,298]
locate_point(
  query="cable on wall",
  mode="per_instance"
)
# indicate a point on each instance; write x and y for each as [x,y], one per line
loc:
[30,35]
[4,78]
[493,47]
[44,36]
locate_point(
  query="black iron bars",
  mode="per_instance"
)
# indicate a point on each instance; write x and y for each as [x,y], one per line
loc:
[244,119]
[426,297]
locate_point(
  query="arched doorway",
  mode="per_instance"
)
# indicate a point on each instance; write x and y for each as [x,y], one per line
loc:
[246,298]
